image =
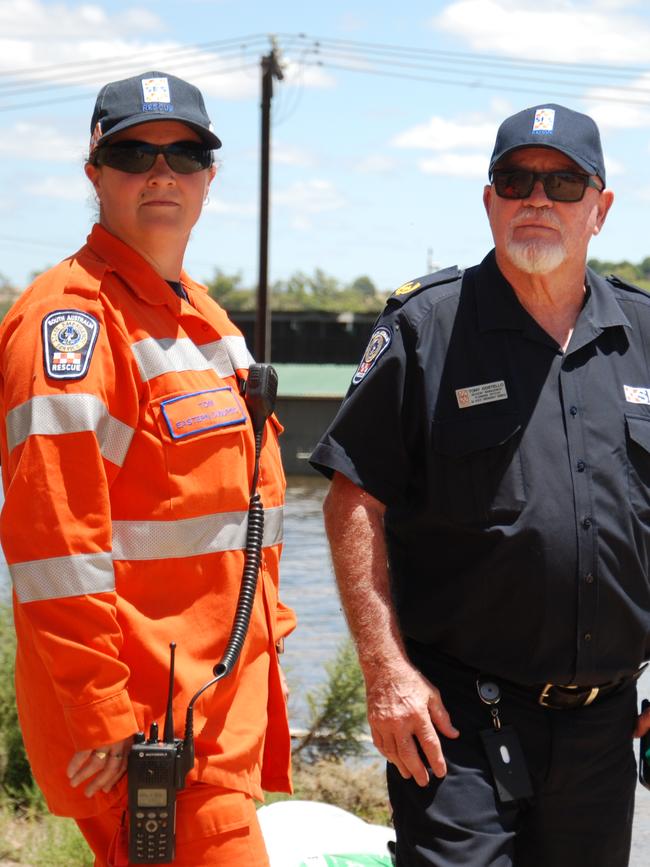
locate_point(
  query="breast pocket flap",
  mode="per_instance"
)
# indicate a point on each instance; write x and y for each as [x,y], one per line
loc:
[459,437]
[638,428]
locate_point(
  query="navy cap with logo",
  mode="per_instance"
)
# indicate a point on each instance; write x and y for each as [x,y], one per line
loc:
[552,126]
[149,97]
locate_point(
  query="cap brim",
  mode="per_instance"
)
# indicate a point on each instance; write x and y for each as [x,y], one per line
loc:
[592,170]
[206,135]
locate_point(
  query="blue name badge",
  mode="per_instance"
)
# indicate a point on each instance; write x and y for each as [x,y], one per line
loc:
[202,411]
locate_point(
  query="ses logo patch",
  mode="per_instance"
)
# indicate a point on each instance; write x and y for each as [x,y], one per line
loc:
[69,338]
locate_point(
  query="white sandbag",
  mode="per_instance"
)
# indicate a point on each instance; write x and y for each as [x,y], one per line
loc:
[312,834]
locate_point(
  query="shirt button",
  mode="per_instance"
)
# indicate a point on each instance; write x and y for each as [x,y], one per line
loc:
[581,466]
[589,578]
[586,523]
[573,410]
[587,636]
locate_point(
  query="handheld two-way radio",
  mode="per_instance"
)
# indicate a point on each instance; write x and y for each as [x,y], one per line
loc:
[157,769]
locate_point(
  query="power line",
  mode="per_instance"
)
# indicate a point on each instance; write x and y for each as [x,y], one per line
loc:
[450,68]
[475,83]
[91,94]
[499,75]
[486,59]
[102,62]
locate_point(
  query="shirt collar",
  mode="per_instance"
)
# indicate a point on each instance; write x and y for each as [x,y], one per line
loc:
[134,270]
[498,307]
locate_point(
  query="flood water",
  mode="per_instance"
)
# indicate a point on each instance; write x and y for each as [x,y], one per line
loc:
[308,587]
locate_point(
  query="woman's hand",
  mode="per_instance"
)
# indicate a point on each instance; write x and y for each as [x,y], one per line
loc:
[105,764]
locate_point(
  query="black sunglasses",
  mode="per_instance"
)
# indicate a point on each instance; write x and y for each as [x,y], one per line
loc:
[564,186]
[134,157]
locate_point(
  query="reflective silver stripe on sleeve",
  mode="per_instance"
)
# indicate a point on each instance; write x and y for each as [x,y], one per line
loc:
[54,414]
[164,355]
[58,577]
[190,537]
[230,350]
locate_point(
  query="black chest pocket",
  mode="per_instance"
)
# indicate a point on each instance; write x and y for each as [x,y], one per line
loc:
[638,449]
[476,475]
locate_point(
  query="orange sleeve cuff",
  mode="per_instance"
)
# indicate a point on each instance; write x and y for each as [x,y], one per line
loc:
[102,722]
[285,620]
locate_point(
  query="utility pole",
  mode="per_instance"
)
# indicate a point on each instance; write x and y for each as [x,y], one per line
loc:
[270,69]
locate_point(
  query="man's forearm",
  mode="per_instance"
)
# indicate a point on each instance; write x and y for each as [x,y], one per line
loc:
[402,705]
[355,529]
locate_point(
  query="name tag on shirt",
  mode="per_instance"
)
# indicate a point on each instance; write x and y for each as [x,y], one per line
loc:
[636,394]
[485,393]
[202,411]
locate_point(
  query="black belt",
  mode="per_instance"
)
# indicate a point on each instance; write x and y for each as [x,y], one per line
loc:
[565,697]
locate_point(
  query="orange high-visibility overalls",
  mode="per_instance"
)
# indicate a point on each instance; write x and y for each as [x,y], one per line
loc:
[127,459]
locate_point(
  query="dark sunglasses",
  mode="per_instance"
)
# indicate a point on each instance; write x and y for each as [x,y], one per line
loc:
[134,157]
[558,186]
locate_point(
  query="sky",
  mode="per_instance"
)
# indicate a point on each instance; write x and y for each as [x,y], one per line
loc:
[382,125]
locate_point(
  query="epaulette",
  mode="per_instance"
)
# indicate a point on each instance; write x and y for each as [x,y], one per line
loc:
[414,287]
[85,276]
[623,284]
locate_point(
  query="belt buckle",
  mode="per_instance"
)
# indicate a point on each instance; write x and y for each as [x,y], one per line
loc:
[544,695]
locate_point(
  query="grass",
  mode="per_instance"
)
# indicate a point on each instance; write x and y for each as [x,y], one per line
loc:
[33,838]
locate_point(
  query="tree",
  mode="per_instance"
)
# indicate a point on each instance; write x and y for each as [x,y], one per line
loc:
[364,286]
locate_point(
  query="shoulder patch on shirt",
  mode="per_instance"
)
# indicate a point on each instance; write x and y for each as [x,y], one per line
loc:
[414,287]
[69,338]
[380,340]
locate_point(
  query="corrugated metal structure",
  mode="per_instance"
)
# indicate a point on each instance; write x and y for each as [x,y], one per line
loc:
[308,398]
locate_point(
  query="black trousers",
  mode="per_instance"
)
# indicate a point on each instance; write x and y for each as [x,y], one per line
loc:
[581,763]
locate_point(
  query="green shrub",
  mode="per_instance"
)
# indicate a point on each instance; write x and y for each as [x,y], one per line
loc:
[16,778]
[337,725]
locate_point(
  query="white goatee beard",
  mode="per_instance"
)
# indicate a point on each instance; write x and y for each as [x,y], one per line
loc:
[535,257]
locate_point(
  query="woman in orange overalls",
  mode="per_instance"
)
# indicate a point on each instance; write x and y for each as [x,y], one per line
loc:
[127,459]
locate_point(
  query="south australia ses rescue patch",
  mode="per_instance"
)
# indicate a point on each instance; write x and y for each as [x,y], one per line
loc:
[379,343]
[69,338]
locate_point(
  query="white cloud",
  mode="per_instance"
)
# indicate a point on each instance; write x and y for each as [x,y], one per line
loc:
[614,167]
[236,209]
[456,165]
[111,45]
[301,223]
[376,164]
[66,189]
[112,59]
[350,22]
[310,197]
[560,30]
[298,73]
[35,21]
[611,111]
[54,146]
[290,155]
[440,134]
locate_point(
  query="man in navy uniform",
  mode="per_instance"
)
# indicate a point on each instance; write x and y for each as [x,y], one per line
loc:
[489,518]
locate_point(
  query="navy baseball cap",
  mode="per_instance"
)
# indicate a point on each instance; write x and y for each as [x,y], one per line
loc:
[552,126]
[149,97]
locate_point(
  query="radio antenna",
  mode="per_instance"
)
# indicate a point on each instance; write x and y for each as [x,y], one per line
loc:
[168,733]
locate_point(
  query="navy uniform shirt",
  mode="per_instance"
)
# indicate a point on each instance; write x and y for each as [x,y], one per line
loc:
[516,476]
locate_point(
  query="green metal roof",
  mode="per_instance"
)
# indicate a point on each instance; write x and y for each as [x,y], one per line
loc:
[314,380]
